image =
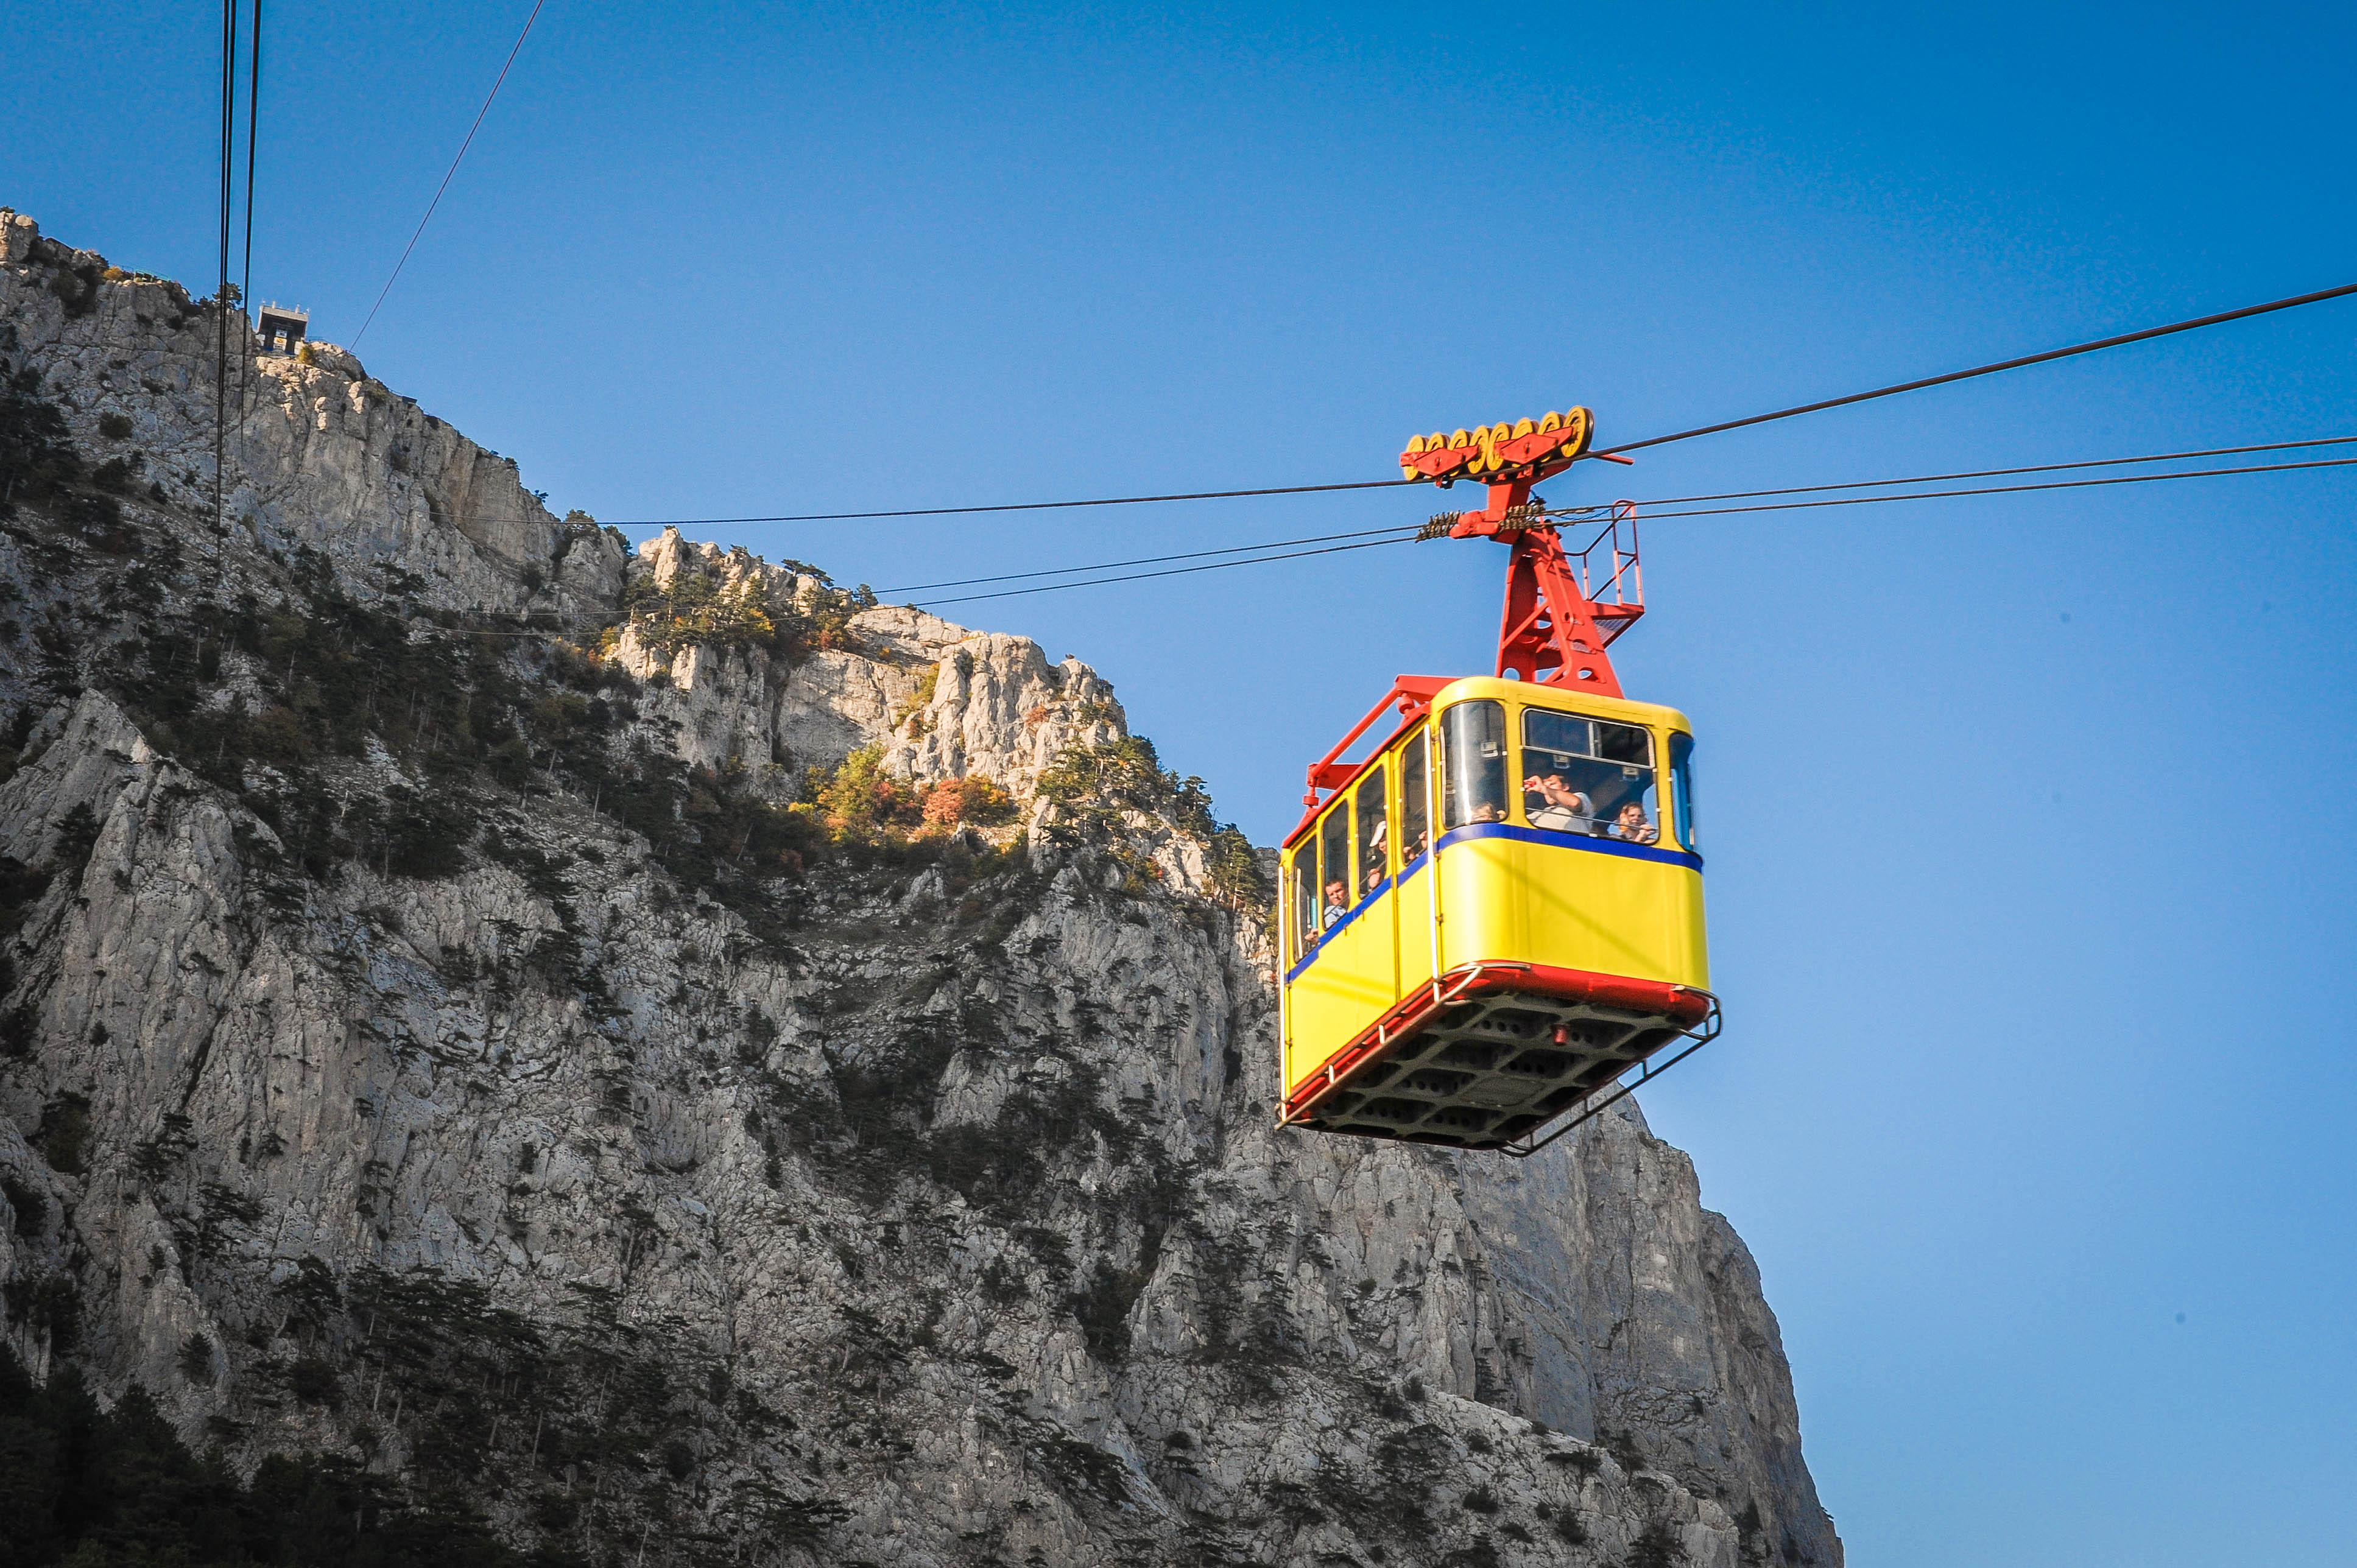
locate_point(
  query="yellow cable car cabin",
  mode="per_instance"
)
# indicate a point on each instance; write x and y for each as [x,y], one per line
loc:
[1468,989]
[1487,924]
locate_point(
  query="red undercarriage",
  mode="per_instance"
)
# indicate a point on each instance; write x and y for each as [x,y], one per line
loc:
[1494,1053]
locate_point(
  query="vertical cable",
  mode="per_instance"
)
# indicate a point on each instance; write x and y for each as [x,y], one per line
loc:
[245,287]
[220,295]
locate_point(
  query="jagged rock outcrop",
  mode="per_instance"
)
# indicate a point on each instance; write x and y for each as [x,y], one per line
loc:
[942,700]
[416,1049]
[324,456]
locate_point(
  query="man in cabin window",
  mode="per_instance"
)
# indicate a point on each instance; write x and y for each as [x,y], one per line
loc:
[1379,850]
[1559,807]
[1338,904]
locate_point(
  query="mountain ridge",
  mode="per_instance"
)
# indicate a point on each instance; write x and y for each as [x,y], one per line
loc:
[669,1057]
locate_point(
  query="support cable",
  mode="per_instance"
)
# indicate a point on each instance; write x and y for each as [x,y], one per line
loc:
[220,292]
[1584,514]
[1573,516]
[1013,506]
[2050,355]
[2009,490]
[1602,512]
[1708,511]
[453,169]
[1408,534]
[2013,364]
[1149,560]
[1178,571]
[245,287]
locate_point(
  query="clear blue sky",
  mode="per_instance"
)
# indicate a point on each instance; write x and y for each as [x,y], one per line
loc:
[2029,845]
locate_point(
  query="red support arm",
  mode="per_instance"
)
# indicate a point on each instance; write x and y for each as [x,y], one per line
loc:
[1551,630]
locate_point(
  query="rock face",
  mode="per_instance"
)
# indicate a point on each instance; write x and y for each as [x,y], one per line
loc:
[944,701]
[441,1069]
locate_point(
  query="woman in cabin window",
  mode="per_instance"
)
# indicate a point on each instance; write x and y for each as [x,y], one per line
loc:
[1632,826]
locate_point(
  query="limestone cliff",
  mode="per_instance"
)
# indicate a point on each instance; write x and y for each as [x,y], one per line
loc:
[697,1063]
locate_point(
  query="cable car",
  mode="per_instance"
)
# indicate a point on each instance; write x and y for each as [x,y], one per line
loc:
[1488,922]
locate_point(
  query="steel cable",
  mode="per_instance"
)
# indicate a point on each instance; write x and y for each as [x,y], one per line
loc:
[245,284]
[1173,571]
[1012,506]
[2048,356]
[1708,511]
[2011,490]
[1408,533]
[1149,560]
[221,292]
[453,169]
[1986,473]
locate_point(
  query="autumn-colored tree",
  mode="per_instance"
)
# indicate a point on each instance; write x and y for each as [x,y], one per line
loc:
[862,799]
[974,799]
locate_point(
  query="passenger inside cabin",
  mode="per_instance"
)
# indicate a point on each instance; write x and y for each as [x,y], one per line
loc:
[1634,826]
[1338,904]
[1378,853]
[1416,801]
[1555,805]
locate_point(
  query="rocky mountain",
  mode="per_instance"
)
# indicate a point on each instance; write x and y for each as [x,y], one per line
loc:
[516,1048]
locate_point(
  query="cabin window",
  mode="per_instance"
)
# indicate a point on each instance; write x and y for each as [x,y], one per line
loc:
[1305,899]
[1375,837]
[1334,837]
[1589,775]
[1473,764]
[1681,788]
[1416,801]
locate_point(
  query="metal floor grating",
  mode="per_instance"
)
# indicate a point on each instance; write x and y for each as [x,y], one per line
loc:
[1487,1073]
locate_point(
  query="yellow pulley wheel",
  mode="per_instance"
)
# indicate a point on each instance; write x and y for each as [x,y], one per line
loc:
[1579,426]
